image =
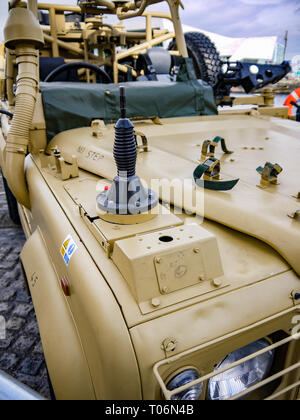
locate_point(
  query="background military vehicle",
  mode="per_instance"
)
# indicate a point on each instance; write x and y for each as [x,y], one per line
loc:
[183,285]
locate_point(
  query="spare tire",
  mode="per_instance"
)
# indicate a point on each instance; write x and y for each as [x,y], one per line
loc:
[206,58]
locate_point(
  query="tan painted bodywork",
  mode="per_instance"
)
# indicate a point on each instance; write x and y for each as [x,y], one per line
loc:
[257,283]
[127,320]
[85,279]
[254,140]
[56,324]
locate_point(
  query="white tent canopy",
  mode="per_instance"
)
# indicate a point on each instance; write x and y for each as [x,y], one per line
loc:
[259,49]
[237,49]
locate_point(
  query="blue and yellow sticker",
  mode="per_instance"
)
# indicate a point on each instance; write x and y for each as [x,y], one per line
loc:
[68,249]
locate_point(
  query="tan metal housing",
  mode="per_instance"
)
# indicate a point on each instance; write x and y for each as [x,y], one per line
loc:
[123,308]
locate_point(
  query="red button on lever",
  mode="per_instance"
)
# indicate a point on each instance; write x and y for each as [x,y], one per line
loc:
[107,188]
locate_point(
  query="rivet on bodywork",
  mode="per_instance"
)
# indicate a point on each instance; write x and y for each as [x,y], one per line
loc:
[217,282]
[155,302]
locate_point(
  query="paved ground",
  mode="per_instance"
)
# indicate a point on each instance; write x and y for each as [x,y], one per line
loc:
[21,353]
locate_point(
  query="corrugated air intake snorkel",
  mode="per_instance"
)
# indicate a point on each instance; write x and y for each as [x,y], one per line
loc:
[23,34]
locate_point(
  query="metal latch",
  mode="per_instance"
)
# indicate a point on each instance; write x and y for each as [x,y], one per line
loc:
[295,216]
[269,174]
[210,170]
[144,146]
[209,147]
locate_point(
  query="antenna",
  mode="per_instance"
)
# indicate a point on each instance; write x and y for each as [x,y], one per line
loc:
[127,196]
[123,102]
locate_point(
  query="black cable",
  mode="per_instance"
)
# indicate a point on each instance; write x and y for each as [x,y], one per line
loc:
[4,112]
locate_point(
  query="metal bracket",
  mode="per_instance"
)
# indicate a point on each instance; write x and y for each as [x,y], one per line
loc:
[213,170]
[209,147]
[210,170]
[47,161]
[295,216]
[297,196]
[269,174]
[98,127]
[144,146]
[57,163]
[68,170]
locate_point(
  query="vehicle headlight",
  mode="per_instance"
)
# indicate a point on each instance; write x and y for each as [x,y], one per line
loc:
[183,378]
[236,380]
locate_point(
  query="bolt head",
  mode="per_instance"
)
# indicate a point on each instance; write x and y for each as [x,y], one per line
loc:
[155,302]
[169,344]
[217,282]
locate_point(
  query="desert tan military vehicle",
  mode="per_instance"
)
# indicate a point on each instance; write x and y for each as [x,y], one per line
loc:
[163,235]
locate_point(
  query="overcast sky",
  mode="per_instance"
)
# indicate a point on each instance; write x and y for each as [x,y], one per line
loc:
[236,18]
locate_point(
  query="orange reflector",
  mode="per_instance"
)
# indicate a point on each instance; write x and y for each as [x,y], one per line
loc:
[65,286]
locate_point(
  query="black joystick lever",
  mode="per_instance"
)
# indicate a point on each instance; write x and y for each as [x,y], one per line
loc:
[127,196]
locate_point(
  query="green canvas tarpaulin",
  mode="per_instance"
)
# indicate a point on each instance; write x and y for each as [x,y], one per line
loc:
[69,105]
